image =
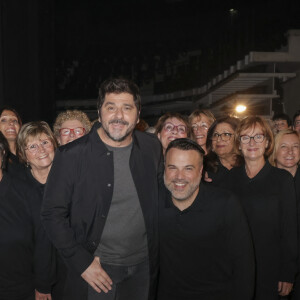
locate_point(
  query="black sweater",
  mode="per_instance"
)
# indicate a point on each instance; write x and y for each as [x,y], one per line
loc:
[205,250]
[269,202]
[25,251]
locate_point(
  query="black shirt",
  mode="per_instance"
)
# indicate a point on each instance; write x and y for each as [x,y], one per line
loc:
[24,247]
[218,176]
[269,202]
[205,250]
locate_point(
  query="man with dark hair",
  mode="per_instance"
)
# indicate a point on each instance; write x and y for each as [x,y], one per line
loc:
[296,121]
[281,122]
[205,245]
[101,200]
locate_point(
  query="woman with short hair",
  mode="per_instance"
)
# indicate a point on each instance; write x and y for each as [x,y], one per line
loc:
[172,126]
[286,155]
[71,125]
[200,120]
[268,197]
[26,255]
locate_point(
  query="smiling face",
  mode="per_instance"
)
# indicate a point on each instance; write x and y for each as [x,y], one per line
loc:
[166,136]
[43,155]
[183,175]
[253,151]
[70,124]
[220,147]
[118,116]
[288,152]
[9,125]
[200,126]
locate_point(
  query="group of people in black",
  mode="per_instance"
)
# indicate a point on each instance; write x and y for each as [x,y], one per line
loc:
[202,208]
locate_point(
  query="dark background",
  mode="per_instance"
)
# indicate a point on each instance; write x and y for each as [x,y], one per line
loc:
[53,50]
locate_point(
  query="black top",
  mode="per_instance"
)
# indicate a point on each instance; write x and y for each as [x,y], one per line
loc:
[78,196]
[269,202]
[297,186]
[14,166]
[205,250]
[24,247]
[218,176]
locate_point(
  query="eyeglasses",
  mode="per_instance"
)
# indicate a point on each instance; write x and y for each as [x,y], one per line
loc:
[258,138]
[76,131]
[33,148]
[170,127]
[203,126]
[225,136]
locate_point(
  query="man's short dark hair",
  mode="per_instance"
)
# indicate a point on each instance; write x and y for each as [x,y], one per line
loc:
[185,144]
[297,114]
[118,86]
[282,117]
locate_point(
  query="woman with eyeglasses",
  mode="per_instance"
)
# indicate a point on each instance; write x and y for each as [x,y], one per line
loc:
[286,155]
[268,197]
[26,254]
[172,126]
[71,125]
[221,156]
[200,121]
[36,147]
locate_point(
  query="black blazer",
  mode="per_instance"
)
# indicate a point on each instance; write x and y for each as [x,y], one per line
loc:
[78,195]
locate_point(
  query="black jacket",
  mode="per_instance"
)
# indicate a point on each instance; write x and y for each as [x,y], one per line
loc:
[78,195]
[26,255]
[269,202]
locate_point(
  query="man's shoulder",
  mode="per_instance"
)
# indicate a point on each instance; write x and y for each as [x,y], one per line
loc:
[147,142]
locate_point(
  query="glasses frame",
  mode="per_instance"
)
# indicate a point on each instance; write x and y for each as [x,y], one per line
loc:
[174,126]
[72,130]
[44,146]
[252,137]
[203,126]
[222,135]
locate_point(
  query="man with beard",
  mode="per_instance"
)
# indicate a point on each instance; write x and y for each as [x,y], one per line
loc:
[101,202]
[205,245]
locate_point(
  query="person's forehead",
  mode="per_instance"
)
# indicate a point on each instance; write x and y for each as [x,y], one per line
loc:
[280,121]
[71,123]
[252,129]
[201,118]
[289,138]
[174,121]
[8,113]
[223,126]
[37,138]
[119,99]
[185,157]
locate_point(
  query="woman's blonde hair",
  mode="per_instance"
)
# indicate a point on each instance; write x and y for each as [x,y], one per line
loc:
[278,137]
[33,130]
[71,115]
[197,114]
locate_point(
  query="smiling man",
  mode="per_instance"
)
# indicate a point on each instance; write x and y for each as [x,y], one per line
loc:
[101,199]
[205,245]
